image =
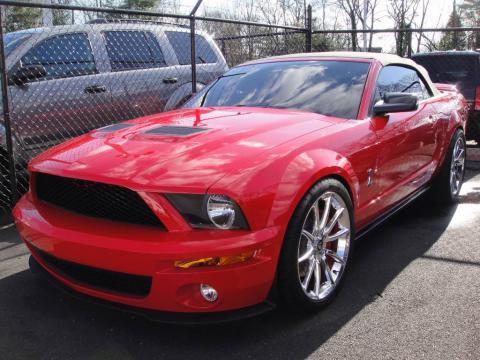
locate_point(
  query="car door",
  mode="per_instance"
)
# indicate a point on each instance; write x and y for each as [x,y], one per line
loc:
[406,140]
[140,67]
[70,100]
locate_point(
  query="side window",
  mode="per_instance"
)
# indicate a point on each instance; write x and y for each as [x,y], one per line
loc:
[180,41]
[63,56]
[400,79]
[129,50]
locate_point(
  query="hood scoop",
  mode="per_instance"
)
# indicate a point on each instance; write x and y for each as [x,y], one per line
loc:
[114,127]
[176,130]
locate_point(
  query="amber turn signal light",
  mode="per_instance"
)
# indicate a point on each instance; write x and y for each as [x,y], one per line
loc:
[215,261]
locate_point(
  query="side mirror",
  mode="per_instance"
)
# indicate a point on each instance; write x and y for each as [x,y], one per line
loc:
[26,73]
[396,102]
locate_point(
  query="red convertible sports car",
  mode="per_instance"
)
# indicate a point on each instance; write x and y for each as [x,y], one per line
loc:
[258,186]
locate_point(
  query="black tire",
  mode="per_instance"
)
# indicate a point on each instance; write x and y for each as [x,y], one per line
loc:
[442,192]
[289,279]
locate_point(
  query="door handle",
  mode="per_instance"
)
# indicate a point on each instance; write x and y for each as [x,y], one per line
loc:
[95,89]
[171,80]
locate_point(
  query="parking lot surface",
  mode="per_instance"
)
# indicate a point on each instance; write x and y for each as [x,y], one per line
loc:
[413,291]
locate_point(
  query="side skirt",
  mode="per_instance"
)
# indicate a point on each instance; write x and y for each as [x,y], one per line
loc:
[395,209]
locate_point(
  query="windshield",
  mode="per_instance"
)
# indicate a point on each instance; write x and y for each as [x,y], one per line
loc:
[331,88]
[13,40]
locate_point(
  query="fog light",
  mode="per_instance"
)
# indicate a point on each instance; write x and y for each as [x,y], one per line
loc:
[208,292]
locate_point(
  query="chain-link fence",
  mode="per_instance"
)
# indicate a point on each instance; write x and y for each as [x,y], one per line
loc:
[69,69]
[93,67]
[403,42]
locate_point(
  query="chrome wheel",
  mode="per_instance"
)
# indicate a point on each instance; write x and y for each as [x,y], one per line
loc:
[323,246]
[457,166]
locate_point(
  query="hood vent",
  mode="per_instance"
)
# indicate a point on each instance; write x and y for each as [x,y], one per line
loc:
[176,130]
[114,127]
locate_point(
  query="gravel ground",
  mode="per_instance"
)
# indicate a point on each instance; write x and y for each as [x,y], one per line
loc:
[413,292]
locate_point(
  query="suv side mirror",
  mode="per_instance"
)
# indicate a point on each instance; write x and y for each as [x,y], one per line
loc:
[26,73]
[396,102]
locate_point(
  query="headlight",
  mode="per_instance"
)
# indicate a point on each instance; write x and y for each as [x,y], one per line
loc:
[209,211]
[221,211]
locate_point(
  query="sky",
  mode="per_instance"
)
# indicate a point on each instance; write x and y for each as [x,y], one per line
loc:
[438,14]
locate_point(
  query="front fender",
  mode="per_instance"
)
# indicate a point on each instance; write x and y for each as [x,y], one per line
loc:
[269,193]
[310,167]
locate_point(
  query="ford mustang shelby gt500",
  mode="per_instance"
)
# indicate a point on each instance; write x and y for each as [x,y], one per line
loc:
[262,181]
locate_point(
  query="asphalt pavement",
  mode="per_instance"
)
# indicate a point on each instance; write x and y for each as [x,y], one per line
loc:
[413,292]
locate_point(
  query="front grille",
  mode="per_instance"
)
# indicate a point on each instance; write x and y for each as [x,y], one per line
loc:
[105,280]
[95,199]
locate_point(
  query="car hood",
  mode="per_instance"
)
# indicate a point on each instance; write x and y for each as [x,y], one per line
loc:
[148,154]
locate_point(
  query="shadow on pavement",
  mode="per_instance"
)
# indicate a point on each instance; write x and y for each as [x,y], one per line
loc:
[38,321]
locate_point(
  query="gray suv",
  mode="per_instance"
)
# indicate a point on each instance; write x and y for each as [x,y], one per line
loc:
[66,80]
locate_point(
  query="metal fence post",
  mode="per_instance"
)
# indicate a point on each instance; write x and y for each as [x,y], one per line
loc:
[409,43]
[193,56]
[6,117]
[308,33]
[224,49]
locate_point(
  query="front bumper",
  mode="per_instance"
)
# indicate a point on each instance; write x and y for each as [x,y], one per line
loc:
[149,252]
[183,318]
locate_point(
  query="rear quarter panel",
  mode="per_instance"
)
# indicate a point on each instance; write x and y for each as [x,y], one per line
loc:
[452,112]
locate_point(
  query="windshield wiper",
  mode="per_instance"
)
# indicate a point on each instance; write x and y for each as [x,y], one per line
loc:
[409,86]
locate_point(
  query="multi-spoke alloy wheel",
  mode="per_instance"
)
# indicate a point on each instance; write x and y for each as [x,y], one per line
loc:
[448,183]
[317,247]
[457,167]
[323,246]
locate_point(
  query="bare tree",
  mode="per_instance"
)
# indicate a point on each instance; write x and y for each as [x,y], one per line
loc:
[423,15]
[403,12]
[351,9]
[366,16]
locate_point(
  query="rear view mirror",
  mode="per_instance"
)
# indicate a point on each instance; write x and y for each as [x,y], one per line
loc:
[27,73]
[396,102]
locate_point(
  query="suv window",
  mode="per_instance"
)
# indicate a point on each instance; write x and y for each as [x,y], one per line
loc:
[129,50]
[14,40]
[63,56]
[181,45]
[400,79]
[332,88]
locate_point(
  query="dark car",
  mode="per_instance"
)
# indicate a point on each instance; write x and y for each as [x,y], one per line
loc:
[462,69]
